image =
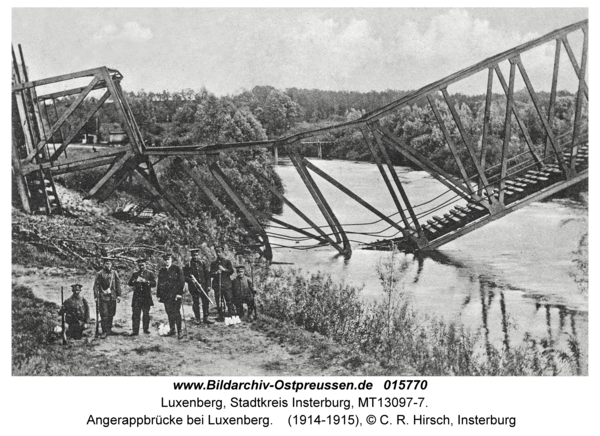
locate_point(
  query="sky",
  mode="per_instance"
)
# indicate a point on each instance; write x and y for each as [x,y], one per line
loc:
[229,50]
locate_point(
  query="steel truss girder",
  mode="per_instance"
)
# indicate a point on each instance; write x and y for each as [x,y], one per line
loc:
[320,200]
[537,196]
[226,185]
[415,234]
[322,237]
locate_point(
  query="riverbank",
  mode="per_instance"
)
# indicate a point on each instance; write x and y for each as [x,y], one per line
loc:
[266,347]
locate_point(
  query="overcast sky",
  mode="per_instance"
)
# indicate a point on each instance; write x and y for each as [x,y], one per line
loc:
[227,50]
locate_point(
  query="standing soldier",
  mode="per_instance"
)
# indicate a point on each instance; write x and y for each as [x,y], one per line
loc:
[107,291]
[243,291]
[220,271]
[77,313]
[142,281]
[170,291]
[198,280]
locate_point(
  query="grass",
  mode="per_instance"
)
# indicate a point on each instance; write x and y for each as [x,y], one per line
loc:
[400,340]
[37,351]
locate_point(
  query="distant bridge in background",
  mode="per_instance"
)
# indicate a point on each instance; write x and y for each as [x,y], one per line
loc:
[483,192]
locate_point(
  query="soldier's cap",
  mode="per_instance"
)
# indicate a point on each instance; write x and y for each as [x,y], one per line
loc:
[76,285]
[167,256]
[240,267]
[194,250]
[141,260]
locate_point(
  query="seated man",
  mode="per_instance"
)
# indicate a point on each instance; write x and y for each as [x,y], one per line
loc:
[77,313]
[243,292]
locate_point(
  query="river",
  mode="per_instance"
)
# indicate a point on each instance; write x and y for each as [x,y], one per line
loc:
[513,276]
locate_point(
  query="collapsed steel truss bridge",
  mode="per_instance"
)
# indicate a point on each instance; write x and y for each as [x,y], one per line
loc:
[486,191]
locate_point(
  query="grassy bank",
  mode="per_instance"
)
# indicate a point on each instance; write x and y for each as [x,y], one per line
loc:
[266,347]
[400,339]
[36,351]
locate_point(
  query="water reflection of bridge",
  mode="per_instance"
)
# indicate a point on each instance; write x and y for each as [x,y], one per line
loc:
[489,182]
[496,324]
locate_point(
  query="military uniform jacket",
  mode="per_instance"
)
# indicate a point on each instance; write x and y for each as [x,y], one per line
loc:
[76,310]
[170,283]
[107,285]
[225,275]
[142,291]
[200,272]
[242,287]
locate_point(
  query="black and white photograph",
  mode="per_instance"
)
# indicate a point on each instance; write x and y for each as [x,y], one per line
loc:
[323,192]
[250,218]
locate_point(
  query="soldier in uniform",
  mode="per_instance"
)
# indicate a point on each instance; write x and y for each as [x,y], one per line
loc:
[169,292]
[142,281]
[243,291]
[220,272]
[107,291]
[77,313]
[196,273]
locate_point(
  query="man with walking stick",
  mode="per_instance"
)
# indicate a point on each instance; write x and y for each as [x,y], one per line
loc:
[220,271]
[169,292]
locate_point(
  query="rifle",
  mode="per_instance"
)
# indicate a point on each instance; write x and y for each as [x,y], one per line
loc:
[253,291]
[97,315]
[199,286]
[62,317]
[183,318]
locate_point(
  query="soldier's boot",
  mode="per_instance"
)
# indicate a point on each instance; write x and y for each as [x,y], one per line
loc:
[104,329]
[147,326]
[197,317]
[109,324]
[220,317]
[207,321]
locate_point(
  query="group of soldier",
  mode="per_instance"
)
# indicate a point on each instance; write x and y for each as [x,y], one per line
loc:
[230,294]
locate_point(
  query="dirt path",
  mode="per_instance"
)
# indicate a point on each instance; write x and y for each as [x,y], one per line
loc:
[239,350]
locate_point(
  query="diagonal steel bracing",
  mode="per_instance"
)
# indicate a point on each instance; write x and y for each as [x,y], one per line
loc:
[226,185]
[320,200]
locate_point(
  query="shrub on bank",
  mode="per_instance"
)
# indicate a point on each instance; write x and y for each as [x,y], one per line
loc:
[395,334]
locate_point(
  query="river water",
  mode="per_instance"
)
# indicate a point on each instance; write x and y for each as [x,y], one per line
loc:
[513,276]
